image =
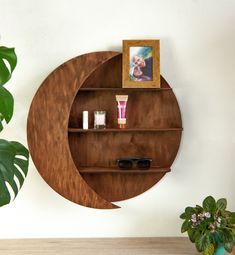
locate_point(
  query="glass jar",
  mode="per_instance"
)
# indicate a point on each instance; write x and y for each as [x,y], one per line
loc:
[100,119]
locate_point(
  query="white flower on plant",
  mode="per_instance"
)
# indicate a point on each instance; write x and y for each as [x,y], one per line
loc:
[207,214]
[219,219]
[194,218]
[211,226]
[201,216]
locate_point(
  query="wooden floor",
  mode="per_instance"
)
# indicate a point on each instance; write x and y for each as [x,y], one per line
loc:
[101,246]
[106,246]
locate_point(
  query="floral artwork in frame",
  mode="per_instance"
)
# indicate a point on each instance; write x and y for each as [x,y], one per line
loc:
[141,64]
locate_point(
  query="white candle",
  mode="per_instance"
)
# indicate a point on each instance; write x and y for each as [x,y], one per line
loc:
[85,119]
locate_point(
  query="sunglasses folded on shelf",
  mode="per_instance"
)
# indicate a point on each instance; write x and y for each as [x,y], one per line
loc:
[134,163]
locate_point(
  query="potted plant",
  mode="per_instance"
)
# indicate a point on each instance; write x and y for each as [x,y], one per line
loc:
[14,157]
[210,226]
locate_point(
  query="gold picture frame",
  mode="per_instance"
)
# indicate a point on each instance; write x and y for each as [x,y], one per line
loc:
[141,64]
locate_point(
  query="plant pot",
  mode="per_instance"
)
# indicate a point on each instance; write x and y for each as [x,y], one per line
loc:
[220,250]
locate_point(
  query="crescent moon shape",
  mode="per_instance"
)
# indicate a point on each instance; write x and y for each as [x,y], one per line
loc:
[47,129]
[65,158]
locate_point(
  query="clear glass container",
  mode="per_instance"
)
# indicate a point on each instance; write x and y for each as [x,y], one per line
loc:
[100,119]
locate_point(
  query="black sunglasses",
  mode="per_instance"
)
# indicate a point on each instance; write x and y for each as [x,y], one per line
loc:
[130,163]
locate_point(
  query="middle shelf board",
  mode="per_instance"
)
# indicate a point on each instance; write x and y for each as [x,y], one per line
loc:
[80,130]
[101,170]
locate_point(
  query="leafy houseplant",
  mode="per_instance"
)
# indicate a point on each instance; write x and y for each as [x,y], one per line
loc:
[14,157]
[210,226]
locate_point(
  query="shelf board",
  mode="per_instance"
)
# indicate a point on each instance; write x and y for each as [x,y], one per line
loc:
[91,130]
[101,170]
[124,89]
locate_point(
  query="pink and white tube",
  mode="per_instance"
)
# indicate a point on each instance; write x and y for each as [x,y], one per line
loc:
[121,104]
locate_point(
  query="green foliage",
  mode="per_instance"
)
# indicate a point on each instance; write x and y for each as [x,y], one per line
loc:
[209,250]
[13,165]
[202,242]
[8,60]
[228,246]
[7,55]
[221,204]
[185,226]
[209,225]
[232,218]
[209,204]
[14,157]
[6,106]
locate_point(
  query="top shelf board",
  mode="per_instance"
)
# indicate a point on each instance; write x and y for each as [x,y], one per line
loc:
[125,89]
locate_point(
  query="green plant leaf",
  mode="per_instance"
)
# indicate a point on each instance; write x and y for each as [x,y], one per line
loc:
[4,194]
[13,164]
[209,250]
[6,106]
[7,54]
[221,204]
[228,247]
[209,204]
[214,237]
[183,216]
[193,235]
[185,226]
[225,235]
[189,211]
[202,242]
[199,208]
[232,218]
[223,223]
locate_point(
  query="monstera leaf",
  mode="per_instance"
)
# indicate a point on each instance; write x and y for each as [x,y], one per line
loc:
[8,60]
[14,157]
[14,160]
[6,106]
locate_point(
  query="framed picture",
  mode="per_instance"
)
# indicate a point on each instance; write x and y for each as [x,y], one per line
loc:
[141,64]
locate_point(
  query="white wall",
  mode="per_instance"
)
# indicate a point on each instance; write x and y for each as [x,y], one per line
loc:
[197,59]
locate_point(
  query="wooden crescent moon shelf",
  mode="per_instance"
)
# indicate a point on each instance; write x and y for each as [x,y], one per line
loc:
[81,164]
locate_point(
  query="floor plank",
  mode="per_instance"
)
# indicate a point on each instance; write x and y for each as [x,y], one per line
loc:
[100,246]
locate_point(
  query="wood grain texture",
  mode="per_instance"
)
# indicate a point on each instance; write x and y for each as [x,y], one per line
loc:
[124,89]
[101,170]
[106,130]
[103,149]
[144,109]
[47,129]
[108,186]
[99,246]
[90,82]
[153,130]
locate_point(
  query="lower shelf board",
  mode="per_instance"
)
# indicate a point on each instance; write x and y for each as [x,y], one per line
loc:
[101,170]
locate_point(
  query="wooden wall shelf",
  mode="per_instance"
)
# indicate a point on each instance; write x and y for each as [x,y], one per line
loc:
[125,89]
[101,170]
[80,130]
[81,164]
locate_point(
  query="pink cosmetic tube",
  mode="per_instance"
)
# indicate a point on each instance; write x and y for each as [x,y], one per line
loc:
[121,104]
